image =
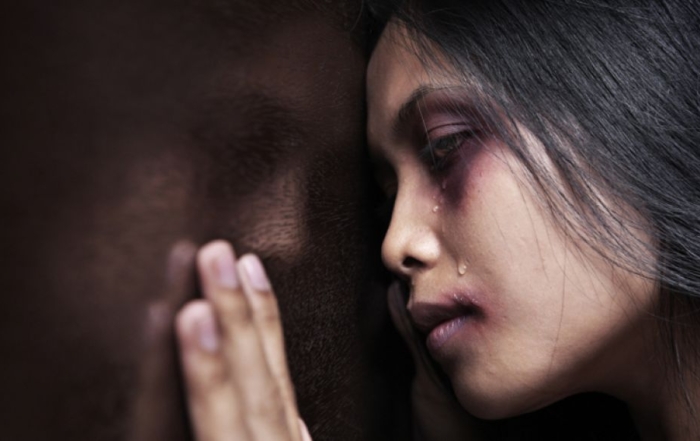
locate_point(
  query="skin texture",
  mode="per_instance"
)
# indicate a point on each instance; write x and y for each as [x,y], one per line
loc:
[134,131]
[544,317]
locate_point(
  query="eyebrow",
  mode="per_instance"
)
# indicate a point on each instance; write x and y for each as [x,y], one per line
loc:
[410,107]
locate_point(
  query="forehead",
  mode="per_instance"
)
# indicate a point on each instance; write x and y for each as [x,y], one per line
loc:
[396,71]
[393,71]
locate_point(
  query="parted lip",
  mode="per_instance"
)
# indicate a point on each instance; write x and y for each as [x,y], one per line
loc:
[426,316]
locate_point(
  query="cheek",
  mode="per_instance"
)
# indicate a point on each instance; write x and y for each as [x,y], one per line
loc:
[492,224]
[466,179]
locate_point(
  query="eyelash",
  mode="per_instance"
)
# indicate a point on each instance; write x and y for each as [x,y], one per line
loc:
[438,152]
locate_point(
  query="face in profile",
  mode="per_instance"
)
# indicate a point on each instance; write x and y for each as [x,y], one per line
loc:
[516,311]
[133,132]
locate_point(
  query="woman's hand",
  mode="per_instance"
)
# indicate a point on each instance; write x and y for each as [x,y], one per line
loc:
[436,413]
[232,351]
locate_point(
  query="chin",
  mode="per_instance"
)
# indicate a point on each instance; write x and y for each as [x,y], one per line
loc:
[500,402]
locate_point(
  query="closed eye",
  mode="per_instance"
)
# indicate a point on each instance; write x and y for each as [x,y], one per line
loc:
[438,152]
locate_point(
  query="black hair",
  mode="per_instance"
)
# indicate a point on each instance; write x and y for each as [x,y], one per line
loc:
[611,89]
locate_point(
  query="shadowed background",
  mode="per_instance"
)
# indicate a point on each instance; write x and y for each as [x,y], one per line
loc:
[134,131]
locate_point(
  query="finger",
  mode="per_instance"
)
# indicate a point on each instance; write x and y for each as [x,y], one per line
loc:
[155,406]
[268,323]
[214,411]
[305,435]
[259,396]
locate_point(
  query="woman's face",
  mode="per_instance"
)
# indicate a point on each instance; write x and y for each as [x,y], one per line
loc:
[516,312]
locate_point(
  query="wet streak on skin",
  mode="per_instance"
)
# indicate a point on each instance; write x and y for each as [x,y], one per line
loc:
[444,111]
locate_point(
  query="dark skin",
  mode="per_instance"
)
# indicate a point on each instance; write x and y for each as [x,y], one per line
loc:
[133,132]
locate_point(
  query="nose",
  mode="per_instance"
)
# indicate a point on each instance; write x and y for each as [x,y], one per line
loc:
[411,244]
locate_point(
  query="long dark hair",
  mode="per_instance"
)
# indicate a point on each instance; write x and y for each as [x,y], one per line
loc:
[611,89]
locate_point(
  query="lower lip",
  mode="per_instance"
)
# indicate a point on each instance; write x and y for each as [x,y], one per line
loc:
[444,331]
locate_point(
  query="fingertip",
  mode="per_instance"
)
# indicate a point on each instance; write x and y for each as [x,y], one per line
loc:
[216,262]
[196,326]
[255,272]
[209,251]
[305,435]
[186,317]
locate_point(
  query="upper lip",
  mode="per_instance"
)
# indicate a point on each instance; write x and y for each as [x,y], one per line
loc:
[427,315]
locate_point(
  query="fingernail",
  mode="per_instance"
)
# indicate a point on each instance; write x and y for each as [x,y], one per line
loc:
[222,264]
[207,333]
[255,272]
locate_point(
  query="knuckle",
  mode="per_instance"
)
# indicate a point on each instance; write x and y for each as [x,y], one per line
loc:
[266,405]
[209,381]
[234,308]
[268,316]
[265,305]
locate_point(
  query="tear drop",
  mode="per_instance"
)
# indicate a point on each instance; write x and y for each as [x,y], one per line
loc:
[462,269]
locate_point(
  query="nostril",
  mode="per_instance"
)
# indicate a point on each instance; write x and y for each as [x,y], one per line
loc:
[410,263]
